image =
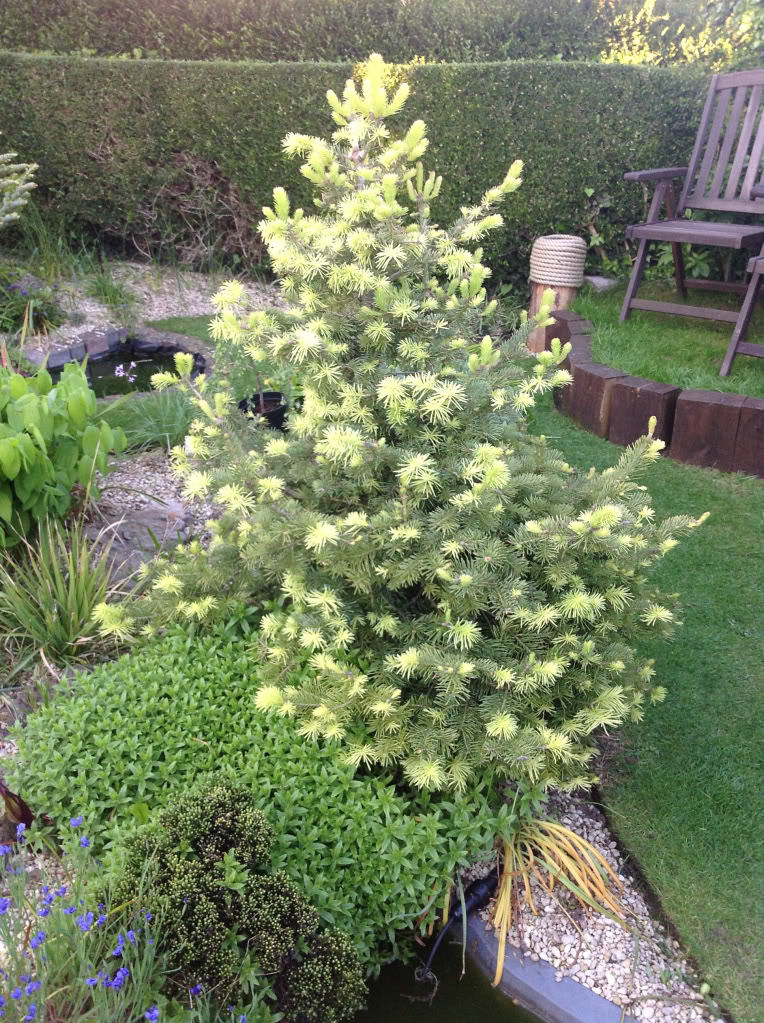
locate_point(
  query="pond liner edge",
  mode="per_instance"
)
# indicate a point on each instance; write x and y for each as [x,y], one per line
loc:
[533,985]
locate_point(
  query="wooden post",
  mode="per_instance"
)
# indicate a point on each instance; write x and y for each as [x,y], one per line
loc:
[557,262]
[563,297]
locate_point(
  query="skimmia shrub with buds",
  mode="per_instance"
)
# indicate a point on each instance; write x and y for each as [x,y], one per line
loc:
[493,592]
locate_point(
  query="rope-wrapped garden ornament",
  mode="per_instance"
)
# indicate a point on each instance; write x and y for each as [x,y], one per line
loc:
[557,262]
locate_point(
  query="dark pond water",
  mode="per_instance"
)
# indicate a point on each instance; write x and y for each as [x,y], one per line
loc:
[121,374]
[469,1000]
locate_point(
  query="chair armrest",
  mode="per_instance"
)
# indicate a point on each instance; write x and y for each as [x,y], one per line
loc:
[757,192]
[660,174]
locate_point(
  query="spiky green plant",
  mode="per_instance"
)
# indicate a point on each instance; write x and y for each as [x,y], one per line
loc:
[15,185]
[492,590]
[49,587]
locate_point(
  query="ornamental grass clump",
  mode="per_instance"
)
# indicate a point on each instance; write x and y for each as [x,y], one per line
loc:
[494,592]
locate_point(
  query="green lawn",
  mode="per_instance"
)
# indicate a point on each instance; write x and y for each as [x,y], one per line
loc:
[191,326]
[676,350]
[685,794]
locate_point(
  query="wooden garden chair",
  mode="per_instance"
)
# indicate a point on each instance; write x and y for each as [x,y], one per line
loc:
[724,176]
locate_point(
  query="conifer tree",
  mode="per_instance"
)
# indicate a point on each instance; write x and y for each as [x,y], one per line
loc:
[15,185]
[455,597]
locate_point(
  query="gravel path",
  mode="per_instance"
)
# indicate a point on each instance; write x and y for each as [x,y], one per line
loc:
[159,292]
[646,974]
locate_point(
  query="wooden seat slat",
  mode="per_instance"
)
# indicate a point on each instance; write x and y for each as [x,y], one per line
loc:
[701,232]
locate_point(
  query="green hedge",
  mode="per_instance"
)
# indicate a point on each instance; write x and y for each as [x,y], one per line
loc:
[104,132]
[314,30]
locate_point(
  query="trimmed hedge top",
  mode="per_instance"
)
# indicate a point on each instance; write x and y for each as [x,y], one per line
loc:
[319,30]
[105,132]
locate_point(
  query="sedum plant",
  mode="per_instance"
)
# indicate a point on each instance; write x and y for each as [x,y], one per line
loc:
[494,591]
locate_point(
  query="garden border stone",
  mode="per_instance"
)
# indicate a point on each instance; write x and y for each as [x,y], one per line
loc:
[713,429]
[533,984]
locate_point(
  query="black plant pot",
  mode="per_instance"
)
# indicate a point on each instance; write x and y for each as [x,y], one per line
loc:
[275,408]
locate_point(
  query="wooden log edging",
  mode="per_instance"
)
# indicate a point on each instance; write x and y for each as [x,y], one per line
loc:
[713,429]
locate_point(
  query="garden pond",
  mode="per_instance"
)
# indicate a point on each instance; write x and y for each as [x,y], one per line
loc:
[398,996]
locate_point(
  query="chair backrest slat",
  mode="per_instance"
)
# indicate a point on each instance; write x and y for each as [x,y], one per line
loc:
[712,143]
[729,138]
[753,173]
[742,146]
[732,126]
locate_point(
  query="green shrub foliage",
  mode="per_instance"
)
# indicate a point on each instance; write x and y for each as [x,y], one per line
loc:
[449,30]
[494,590]
[48,443]
[321,30]
[138,731]
[107,133]
[207,856]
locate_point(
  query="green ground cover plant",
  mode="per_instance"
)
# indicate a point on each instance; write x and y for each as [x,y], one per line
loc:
[672,349]
[137,732]
[209,878]
[682,789]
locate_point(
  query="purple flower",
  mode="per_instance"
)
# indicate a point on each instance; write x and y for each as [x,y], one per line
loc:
[20,829]
[195,990]
[4,850]
[31,1014]
[91,981]
[85,922]
[37,940]
[120,945]
[61,892]
[101,919]
[148,915]
[131,937]
[84,842]
[119,978]
[70,909]
[76,821]
[32,986]
[152,1014]
[5,902]
[16,993]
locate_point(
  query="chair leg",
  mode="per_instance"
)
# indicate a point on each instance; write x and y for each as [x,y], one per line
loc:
[636,278]
[676,251]
[744,318]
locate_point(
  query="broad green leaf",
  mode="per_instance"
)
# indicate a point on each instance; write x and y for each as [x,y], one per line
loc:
[78,409]
[6,502]
[10,459]
[91,439]
[19,385]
